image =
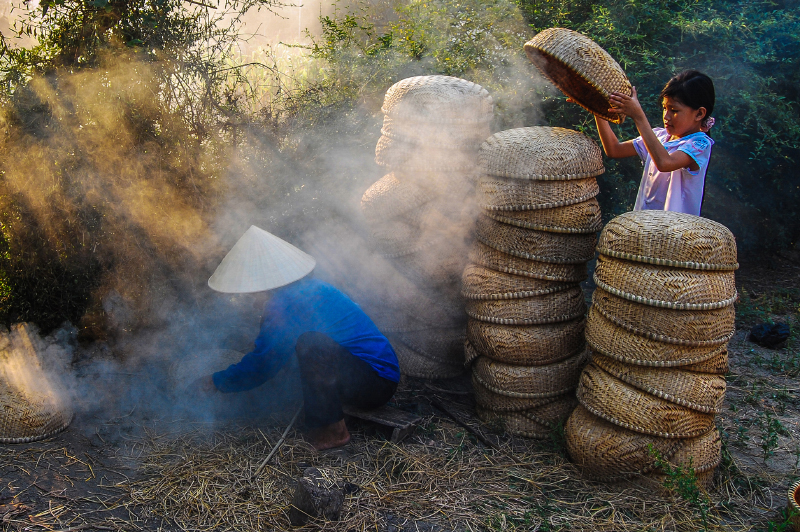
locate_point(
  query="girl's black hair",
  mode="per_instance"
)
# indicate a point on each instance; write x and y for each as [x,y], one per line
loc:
[691,88]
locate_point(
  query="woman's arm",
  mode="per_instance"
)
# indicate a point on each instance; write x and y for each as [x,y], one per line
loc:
[665,162]
[611,144]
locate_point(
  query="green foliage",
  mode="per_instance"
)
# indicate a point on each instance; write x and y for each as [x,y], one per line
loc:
[771,428]
[682,480]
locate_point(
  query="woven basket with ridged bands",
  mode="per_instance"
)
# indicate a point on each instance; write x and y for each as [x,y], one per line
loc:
[438,99]
[578,218]
[529,382]
[484,255]
[506,194]
[551,308]
[478,282]
[526,345]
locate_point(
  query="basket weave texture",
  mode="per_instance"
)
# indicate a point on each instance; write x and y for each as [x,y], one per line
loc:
[537,422]
[526,345]
[703,392]
[505,194]
[622,404]
[438,99]
[543,246]
[667,238]
[490,400]
[580,68]
[436,135]
[530,382]
[27,415]
[551,308]
[401,154]
[484,255]
[415,364]
[607,452]
[611,340]
[478,282]
[579,218]
[440,345]
[663,286]
[686,327]
[541,153]
[389,197]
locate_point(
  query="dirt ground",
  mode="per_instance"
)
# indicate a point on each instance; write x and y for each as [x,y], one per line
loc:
[141,470]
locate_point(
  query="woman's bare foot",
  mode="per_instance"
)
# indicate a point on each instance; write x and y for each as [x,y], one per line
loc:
[329,436]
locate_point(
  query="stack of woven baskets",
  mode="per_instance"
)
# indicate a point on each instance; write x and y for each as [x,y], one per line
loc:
[421,215]
[658,328]
[537,230]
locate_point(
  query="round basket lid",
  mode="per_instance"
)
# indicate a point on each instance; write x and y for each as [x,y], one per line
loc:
[508,194]
[550,308]
[609,339]
[684,327]
[441,345]
[703,453]
[485,398]
[441,264]
[488,257]
[469,136]
[607,452]
[527,345]
[559,248]
[664,286]
[536,422]
[579,218]
[440,99]
[389,197]
[32,406]
[579,68]
[622,404]
[415,364]
[405,156]
[530,382]
[667,238]
[703,392]
[478,282]
[541,153]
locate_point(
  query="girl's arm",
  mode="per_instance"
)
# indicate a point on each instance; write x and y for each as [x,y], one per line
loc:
[611,144]
[665,162]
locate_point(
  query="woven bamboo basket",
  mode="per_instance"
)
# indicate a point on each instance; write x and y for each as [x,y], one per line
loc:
[541,153]
[579,218]
[551,308]
[470,354]
[558,248]
[414,364]
[703,454]
[620,403]
[437,135]
[527,345]
[438,99]
[438,183]
[604,451]
[507,194]
[666,287]
[389,197]
[580,69]
[793,506]
[703,392]
[441,345]
[667,238]
[433,266]
[28,415]
[478,282]
[609,339]
[537,422]
[485,398]
[403,239]
[399,154]
[390,320]
[529,382]
[687,327]
[483,255]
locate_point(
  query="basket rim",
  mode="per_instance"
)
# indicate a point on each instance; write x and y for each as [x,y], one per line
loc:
[666,262]
[531,256]
[665,304]
[538,227]
[540,206]
[29,439]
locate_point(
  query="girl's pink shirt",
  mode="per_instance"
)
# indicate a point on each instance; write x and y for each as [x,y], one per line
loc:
[680,190]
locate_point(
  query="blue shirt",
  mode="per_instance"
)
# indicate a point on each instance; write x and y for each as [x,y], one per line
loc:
[305,306]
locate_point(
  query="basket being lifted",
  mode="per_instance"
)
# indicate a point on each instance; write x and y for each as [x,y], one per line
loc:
[580,68]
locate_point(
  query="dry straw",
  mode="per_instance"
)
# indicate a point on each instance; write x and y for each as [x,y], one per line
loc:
[438,99]
[527,345]
[478,282]
[608,452]
[579,218]
[488,257]
[622,404]
[508,194]
[664,286]
[543,246]
[703,392]
[579,68]
[551,308]
[609,339]
[667,238]
[687,327]
[541,153]
[529,382]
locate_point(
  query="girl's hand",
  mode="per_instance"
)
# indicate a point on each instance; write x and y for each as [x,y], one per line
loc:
[626,105]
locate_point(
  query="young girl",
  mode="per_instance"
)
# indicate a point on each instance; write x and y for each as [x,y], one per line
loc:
[675,156]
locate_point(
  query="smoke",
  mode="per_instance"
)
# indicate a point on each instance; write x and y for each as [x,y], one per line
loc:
[108,173]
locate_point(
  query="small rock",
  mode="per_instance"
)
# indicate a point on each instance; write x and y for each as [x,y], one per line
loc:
[318,494]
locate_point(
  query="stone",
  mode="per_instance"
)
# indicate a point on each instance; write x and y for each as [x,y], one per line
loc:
[318,494]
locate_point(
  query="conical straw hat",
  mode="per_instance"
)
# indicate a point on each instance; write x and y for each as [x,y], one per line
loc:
[260,261]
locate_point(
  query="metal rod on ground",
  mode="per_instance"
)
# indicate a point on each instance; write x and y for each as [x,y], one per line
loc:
[280,442]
